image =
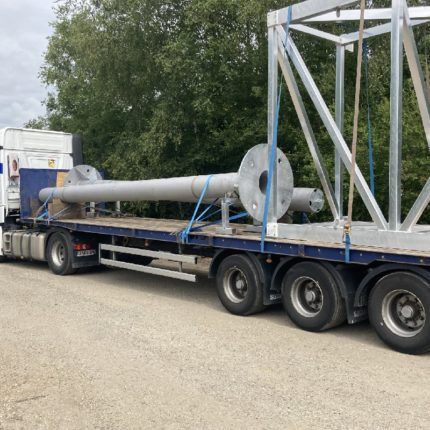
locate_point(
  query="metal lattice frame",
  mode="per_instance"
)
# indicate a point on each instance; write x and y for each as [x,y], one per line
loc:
[284,53]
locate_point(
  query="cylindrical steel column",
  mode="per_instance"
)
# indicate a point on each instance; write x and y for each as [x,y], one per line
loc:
[186,189]
[307,200]
[246,188]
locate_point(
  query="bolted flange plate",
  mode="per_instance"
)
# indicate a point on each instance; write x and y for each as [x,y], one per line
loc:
[253,176]
[82,175]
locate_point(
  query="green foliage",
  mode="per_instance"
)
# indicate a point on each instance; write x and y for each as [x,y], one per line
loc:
[179,87]
[39,123]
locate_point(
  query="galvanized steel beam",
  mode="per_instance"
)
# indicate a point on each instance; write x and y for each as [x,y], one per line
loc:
[378,30]
[315,32]
[333,130]
[419,12]
[417,73]
[340,114]
[396,111]
[272,107]
[308,132]
[307,10]
[417,209]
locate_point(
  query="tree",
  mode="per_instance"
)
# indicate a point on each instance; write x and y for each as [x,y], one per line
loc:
[179,87]
[39,123]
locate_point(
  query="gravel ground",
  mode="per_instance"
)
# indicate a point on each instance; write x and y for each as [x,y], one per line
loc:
[122,350]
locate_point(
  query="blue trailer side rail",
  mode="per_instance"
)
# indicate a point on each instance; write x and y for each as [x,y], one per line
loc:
[242,241]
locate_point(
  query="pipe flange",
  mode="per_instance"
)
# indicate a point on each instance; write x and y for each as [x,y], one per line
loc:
[82,175]
[253,176]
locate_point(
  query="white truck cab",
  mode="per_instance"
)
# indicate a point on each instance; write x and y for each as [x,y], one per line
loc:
[27,148]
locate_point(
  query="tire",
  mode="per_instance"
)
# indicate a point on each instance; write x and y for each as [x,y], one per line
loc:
[311,297]
[239,286]
[399,311]
[59,254]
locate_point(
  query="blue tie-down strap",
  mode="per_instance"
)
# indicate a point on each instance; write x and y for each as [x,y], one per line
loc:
[347,241]
[369,118]
[186,232]
[274,147]
[45,214]
[204,215]
[232,218]
[270,174]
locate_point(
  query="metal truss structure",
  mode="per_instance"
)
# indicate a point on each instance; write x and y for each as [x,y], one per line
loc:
[284,54]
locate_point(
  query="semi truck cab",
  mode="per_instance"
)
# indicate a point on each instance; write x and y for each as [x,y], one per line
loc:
[27,148]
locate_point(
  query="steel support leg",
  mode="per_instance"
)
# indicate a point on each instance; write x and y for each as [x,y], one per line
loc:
[396,116]
[272,106]
[340,113]
[225,218]
[424,105]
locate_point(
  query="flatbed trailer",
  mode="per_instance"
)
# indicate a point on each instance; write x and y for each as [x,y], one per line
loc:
[248,280]
[323,273]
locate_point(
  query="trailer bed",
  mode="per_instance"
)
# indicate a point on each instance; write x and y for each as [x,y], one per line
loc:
[244,238]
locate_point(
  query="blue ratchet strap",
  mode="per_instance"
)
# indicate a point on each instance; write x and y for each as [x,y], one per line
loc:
[202,216]
[186,232]
[45,214]
[304,219]
[199,219]
[347,241]
[369,120]
[270,176]
[232,218]
[273,149]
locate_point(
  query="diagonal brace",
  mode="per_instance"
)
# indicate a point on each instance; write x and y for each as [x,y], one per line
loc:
[416,73]
[417,209]
[333,130]
[308,132]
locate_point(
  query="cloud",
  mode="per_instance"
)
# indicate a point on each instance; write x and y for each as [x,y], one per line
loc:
[24,31]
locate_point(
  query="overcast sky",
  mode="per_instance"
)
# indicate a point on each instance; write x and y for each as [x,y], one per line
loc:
[24,28]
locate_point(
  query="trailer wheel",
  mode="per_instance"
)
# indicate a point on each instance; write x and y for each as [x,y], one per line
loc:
[311,297]
[239,285]
[399,308]
[59,254]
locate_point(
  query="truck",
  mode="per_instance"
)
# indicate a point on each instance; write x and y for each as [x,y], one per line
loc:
[53,207]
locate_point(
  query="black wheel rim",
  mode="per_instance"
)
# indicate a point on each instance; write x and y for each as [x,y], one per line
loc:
[307,296]
[235,285]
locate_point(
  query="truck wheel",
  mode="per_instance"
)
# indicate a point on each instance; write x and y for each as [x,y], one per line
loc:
[399,307]
[312,298]
[239,285]
[59,254]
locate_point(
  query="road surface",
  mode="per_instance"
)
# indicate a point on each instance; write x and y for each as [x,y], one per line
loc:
[123,350]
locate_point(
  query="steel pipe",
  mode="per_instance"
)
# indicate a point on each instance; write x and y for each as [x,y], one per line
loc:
[245,188]
[185,189]
[307,200]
